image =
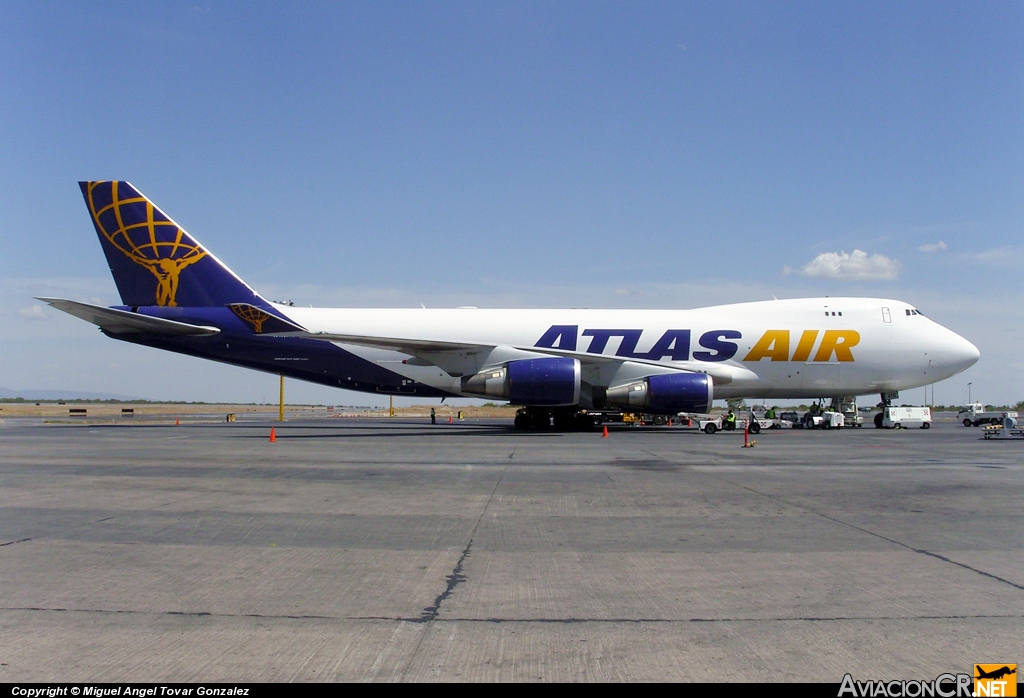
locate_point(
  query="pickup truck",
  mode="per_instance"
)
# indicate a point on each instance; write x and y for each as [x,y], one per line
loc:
[975,415]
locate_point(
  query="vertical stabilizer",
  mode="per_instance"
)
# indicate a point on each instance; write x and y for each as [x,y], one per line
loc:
[153,260]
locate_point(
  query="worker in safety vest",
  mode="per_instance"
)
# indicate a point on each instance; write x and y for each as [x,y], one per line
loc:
[729,422]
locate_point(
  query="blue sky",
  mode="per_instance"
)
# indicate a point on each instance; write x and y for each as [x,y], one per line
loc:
[517,154]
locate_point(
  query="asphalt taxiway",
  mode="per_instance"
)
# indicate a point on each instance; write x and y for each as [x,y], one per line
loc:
[393,550]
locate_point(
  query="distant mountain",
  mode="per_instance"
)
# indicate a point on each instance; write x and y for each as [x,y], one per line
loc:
[33,394]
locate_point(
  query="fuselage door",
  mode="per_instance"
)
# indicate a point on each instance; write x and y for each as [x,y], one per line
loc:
[886,317]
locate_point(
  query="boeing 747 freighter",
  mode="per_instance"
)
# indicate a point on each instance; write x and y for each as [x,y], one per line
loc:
[176,295]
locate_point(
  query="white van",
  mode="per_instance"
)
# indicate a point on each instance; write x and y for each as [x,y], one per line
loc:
[904,417]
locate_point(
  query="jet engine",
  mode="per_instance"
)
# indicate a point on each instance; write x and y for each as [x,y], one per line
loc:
[550,382]
[666,393]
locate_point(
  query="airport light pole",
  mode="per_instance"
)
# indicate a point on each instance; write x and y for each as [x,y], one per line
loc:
[969,394]
[280,413]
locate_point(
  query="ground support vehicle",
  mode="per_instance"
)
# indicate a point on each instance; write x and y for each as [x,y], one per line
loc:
[832,420]
[710,425]
[975,415]
[1007,430]
[902,417]
[822,420]
[848,407]
[637,419]
[792,418]
[813,420]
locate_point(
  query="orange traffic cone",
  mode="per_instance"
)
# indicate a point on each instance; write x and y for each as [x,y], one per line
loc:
[449,419]
[177,421]
[604,434]
[273,436]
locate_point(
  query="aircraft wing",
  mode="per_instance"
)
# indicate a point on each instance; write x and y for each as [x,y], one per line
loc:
[413,347]
[123,322]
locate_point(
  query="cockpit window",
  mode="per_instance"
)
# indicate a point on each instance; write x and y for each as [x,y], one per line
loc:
[911,311]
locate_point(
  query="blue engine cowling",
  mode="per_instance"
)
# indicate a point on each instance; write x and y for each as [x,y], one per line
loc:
[666,393]
[547,382]
[681,392]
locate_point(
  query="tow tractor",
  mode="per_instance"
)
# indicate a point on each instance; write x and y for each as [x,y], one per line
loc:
[710,425]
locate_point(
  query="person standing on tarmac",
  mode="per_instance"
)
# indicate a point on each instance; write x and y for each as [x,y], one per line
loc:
[433,416]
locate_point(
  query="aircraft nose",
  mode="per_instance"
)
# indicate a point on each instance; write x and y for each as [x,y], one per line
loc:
[964,353]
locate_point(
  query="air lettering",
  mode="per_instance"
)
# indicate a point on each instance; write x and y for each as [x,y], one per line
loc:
[837,342]
[716,345]
[773,345]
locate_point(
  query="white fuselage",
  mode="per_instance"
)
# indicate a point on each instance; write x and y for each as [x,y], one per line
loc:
[806,348]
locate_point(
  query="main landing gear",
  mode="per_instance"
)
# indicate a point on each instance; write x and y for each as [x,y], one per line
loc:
[563,419]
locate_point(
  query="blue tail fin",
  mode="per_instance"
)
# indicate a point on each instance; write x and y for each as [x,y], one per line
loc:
[153,260]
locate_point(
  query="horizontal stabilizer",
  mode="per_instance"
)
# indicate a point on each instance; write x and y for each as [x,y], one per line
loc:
[124,322]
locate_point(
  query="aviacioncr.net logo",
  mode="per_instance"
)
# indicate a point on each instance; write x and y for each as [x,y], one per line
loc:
[943,686]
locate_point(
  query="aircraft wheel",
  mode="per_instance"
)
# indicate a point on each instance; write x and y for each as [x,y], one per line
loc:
[563,421]
[522,421]
[583,422]
[710,428]
[659,420]
[755,428]
[878,421]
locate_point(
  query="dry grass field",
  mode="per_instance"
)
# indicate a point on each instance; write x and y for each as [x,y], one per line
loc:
[157,412]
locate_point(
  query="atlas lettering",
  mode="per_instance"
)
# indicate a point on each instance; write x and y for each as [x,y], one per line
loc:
[674,344]
[714,345]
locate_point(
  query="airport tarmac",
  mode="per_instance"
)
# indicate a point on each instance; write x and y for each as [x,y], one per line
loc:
[393,550]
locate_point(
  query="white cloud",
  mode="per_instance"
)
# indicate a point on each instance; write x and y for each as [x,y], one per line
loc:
[34,312]
[1007,257]
[857,266]
[933,247]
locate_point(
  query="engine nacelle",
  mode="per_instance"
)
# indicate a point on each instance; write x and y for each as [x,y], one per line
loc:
[548,382]
[666,393]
